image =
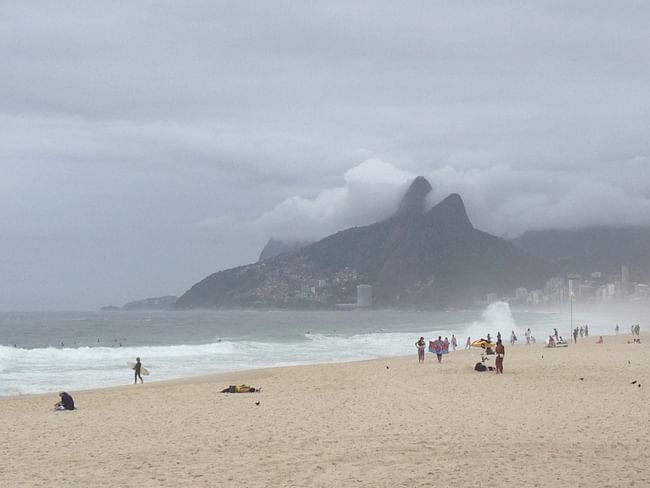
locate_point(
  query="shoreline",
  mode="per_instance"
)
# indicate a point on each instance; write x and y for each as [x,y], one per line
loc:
[256,372]
[558,417]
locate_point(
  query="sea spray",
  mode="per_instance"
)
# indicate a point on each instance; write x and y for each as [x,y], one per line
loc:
[497,317]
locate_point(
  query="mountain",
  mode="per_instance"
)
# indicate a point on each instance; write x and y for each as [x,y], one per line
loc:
[584,251]
[156,303]
[417,257]
[275,247]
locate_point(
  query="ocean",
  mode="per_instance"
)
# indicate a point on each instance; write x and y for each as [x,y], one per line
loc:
[47,352]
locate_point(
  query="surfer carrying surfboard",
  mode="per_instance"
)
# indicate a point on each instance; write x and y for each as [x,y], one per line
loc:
[137,367]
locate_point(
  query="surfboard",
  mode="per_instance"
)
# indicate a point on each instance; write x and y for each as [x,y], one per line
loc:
[144,371]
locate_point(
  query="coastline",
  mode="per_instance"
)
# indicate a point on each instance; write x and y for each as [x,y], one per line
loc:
[379,422]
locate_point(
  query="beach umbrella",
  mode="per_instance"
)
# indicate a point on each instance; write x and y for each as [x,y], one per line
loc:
[483,343]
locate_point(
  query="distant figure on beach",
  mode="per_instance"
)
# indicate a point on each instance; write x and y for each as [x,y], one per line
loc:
[528,334]
[575,335]
[468,344]
[550,342]
[616,329]
[438,348]
[513,338]
[498,336]
[446,344]
[586,330]
[501,351]
[600,340]
[454,343]
[582,331]
[66,402]
[137,368]
[420,344]
[555,334]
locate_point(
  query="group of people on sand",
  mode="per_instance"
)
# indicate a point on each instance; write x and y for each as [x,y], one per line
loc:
[66,401]
[580,331]
[440,347]
[555,340]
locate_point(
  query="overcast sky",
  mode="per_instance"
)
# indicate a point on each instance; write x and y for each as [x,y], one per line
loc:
[145,145]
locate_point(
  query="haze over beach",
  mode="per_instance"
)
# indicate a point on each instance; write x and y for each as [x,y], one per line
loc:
[287,196]
[143,147]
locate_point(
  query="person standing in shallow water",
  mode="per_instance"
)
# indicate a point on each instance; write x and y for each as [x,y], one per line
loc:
[137,368]
[420,344]
[500,351]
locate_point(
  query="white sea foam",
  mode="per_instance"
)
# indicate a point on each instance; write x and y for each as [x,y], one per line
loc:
[50,369]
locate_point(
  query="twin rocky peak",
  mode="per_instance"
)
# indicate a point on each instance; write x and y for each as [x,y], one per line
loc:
[417,257]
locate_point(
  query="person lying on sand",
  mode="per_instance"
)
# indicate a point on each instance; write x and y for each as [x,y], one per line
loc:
[241,389]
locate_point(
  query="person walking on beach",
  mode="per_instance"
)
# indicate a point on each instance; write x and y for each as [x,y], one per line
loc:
[513,338]
[555,334]
[420,344]
[528,333]
[616,329]
[468,344]
[138,368]
[438,347]
[575,335]
[500,350]
[586,330]
[454,343]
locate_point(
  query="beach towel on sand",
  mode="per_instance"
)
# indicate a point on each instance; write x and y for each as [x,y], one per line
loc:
[240,389]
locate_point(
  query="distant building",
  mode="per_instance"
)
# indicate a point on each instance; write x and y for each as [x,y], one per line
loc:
[521,294]
[625,281]
[364,296]
[641,290]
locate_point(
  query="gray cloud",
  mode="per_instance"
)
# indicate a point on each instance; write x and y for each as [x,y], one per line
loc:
[144,145]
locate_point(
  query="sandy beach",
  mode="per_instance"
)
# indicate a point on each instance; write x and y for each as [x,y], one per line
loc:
[557,417]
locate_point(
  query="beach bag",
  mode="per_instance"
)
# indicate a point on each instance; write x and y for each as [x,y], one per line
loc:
[480,367]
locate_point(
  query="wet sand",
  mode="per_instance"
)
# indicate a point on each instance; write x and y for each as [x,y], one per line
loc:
[557,417]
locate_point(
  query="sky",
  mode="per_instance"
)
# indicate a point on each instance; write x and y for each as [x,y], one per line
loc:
[145,145]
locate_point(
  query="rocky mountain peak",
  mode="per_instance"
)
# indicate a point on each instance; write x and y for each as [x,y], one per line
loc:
[452,209]
[414,200]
